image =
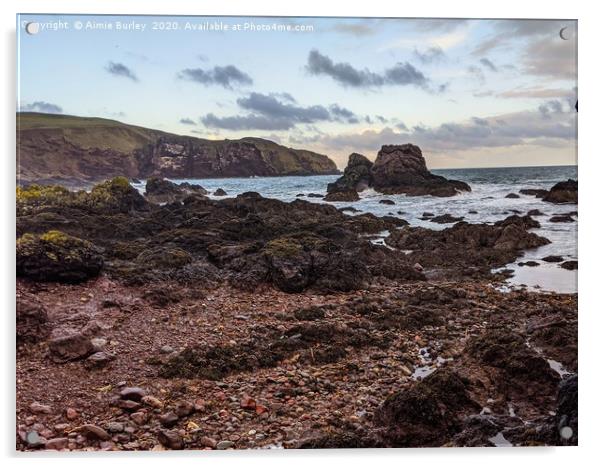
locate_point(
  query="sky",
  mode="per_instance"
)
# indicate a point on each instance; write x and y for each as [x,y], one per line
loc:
[470,93]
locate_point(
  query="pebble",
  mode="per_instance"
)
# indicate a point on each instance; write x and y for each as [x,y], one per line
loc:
[34,439]
[71,414]
[39,408]
[184,408]
[132,393]
[152,402]
[224,445]
[94,432]
[115,427]
[59,443]
[167,349]
[168,419]
[208,442]
[171,439]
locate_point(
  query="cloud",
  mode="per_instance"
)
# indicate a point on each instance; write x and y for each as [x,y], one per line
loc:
[278,111]
[120,70]
[42,107]
[526,128]
[355,29]
[487,63]
[187,121]
[247,122]
[537,93]
[476,73]
[225,76]
[431,55]
[402,74]
[550,107]
[555,58]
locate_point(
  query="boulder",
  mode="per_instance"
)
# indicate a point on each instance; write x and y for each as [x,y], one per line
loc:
[342,196]
[57,256]
[69,347]
[356,176]
[402,169]
[564,192]
[159,190]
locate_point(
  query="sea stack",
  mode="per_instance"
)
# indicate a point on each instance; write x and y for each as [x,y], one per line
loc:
[398,169]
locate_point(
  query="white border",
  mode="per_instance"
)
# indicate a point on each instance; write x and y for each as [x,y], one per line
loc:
[590,167]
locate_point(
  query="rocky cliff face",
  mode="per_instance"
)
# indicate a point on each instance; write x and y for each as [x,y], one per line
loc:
[397,169]
[73,149]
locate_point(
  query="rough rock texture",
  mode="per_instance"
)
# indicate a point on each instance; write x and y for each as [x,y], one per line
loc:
[427,413]
[72,149]
[356,177]
[160,190]
[402,169]
[564,192]
[470,248]
[56,256]
[248,240]
[32,319]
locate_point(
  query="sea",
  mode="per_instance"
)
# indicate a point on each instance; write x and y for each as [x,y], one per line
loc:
[488,198]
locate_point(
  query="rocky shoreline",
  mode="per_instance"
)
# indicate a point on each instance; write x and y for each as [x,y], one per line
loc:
[172,320]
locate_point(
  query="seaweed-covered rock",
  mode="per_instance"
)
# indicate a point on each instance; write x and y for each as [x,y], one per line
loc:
[344,195]
[56,256]
[566,419]
[428,413]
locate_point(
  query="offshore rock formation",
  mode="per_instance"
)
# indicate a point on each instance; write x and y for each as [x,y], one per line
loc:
[398,169]
[76,150]
[564,192]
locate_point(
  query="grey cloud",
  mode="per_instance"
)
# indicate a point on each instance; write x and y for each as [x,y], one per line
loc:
[247,122]
[441,25]
[278,112]
[42,107]
[431,55]
[538,93]
[476,73]
[487,63]
[345,74]
[187,121]
[355,29]
[521,128]
[551,58]
[550,107]
[120,70]
[401,126]
[225,76]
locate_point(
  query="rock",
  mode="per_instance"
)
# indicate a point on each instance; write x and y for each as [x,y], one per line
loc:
[184,408]
[159,190]
[428,214]
[402,169]
[561,219]
[427,413]
[512,196]
[168,419]
[539,193]
[166,349]
[564,192]
[535,212]
[418,267]
[132,393]
[71,414]
[342,196]
[224,445]
[528,264]
[208,442]
[69,347]
[139,417]
[152,402]
[56,256]
[248,403]
[59,443]
[356,177]
[310,313]
[94,432]
[171,439]
[98,360]
[315,195]
[472,212]
[34,440]
[386,202]
[220,192]
[566,417]
[98,344]
[128,405]
[115,427]
[32,319]
[553,259]
[569,265]
[38,408]
[446,218]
